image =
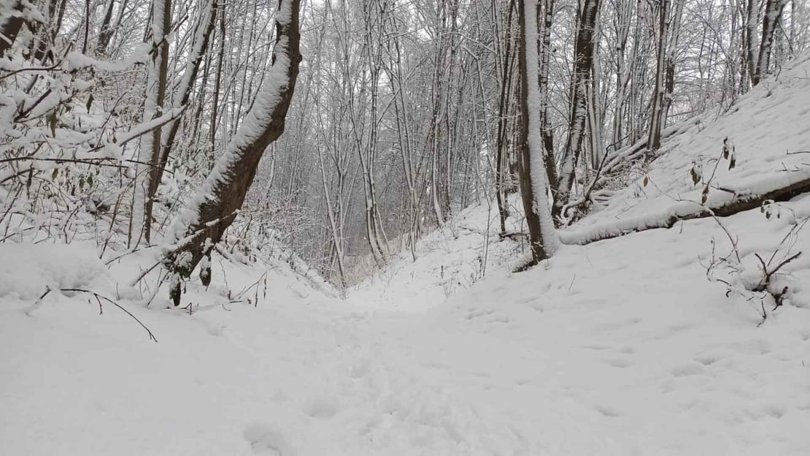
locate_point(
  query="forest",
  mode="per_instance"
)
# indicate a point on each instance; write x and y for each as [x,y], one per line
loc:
[408,178]
[144,123]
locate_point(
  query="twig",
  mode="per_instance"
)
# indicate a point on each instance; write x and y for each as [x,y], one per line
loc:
[38,301]
[100,297]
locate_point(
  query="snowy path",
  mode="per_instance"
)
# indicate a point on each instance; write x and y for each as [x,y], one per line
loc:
[596,355]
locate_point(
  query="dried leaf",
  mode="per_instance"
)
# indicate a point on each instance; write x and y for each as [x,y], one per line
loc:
[695,177]
[52,122]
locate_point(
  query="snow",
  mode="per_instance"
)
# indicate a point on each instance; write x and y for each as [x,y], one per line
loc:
[27,270]
[448,260]
[77,60]
[768,127]
[620,347]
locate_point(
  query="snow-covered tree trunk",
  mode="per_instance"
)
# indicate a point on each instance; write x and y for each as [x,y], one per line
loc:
[583,61]
[594,121]
[11,21]
[504,56]
[657,114]
[773,11]
[438,111]
[200,226]
[751,20]
[202,35]
[154,106]
[106,29]
[672,48]
[621,28]
[547,134]
[533,181]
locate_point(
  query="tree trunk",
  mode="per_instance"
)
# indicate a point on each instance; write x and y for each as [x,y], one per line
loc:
[533,182]
[773,11]
[203,28]
[656,116]
[11,21]
[583,60]
[752,18]
[672,47]
[155,102]
[212,130]
[505,86]
[545,63]
[105,31]
[203,223]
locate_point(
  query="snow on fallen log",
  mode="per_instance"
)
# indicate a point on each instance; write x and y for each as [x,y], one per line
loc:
[720,203]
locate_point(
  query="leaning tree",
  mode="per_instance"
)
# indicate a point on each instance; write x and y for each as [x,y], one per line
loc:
[202,224]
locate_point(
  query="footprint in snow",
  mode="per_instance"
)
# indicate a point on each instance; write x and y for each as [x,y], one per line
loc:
[707,359]
[266,440]
[619,362]
[686,370]
[608,411]
[323,407]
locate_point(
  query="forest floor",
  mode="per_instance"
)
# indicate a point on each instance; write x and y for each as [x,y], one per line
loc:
[619,347]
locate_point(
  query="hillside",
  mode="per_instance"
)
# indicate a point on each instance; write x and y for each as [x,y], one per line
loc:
[618,347]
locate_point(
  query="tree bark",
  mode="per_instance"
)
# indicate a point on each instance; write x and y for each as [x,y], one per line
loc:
[505,86]
[156,102]
[533,180]
[545,63]
[203,28]
[752,18]
[204,222]
[773,11]
[105,31]
[657,114]
[583,60]
[11,21]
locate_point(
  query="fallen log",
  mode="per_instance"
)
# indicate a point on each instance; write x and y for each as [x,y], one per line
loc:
[720,204]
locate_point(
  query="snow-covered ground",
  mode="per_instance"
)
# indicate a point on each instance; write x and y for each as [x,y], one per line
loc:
[620,347]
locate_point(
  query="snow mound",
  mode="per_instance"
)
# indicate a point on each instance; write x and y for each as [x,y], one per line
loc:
[27,270]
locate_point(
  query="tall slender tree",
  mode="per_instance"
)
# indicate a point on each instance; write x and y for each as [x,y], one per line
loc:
[580,81]
[533,181]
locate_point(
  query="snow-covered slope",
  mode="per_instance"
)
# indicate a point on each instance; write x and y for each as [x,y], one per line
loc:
[620,347]
[467,250]
[769,132]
